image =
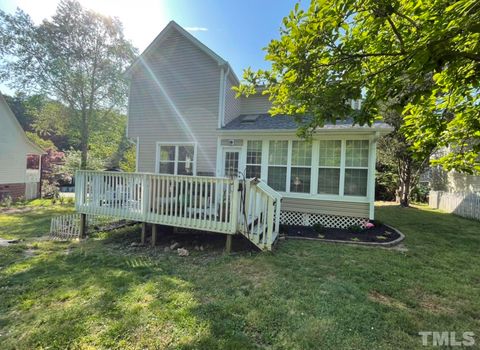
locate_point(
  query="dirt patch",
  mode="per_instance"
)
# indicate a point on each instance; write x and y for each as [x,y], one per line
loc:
[436,305]
[15,210]
[386,300]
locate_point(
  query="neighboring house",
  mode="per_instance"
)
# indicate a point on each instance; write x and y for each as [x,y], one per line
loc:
[19,178]
[186,120]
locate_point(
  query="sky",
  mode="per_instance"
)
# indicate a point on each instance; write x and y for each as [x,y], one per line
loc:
[237,30]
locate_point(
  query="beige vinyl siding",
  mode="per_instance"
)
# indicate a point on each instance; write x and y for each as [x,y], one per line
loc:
[326,207]
[232,104]
[174,98]
[13,148]
[257,103]
[458,182]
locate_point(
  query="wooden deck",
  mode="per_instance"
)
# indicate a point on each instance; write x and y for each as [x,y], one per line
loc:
[222,205]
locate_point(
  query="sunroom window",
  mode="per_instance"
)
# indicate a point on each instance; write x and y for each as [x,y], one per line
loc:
[329,166]
[254,159]
[277,165]
[356,167]
[176,159]
[301,167]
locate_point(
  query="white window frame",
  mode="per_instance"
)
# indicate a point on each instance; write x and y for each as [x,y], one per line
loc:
[345,167]
[176,145]
[343,137]
[246,156]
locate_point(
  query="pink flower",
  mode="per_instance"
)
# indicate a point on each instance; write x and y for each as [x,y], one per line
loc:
[368,225]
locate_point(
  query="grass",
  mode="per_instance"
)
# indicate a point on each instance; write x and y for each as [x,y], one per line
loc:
[105,294]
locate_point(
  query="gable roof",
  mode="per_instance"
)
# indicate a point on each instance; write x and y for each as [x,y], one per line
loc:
[35,148]
[172,25]
[266,122]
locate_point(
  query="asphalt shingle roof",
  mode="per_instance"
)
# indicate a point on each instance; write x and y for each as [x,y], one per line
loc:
[285,122]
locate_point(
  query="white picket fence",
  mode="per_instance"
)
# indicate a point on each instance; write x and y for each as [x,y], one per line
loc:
[67,227]
[465,204]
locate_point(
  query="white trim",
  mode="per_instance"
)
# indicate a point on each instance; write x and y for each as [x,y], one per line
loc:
[330,131]
[221,99]
[137,153]
[176,145]
[343,151]
[372,159]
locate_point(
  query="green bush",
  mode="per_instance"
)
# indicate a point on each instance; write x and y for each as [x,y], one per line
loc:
[355,229]
[6,201]
[319,228]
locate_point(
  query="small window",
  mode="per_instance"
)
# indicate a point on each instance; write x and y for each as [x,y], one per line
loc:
[330,153]
[176,159]
[277,165]
[356,167]
[254,159]
[301,167]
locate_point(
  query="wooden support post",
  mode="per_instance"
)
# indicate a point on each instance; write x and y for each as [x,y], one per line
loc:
[154,234]
[83,225]
[228,244]
[144,232]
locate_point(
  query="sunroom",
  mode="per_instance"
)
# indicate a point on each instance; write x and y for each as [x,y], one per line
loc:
[329,179]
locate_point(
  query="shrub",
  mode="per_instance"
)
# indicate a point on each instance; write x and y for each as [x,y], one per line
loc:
[61,200]
[50,190]
[70,200]
[6,201]
[377,222]
[319,228]
[355,229]
[20,201]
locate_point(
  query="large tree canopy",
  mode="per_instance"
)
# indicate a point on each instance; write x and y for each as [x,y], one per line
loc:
[420,57]
[77,57]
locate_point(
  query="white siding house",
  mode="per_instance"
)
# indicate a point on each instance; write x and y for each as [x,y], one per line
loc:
[209,161]
[15,179]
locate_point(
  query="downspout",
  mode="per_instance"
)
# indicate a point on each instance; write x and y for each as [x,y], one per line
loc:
[221,99]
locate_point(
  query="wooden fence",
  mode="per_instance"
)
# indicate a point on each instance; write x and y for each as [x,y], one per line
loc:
[465,204]
[67,227]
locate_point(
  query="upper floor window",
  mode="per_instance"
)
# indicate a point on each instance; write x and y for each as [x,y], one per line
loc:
[176,159]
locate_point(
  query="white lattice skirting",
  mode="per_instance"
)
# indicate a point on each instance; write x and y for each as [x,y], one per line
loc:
[306,219]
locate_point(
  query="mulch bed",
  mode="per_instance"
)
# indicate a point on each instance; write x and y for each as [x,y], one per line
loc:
[377,234]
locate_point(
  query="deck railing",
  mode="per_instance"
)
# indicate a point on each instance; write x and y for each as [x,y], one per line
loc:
[259,217]
[203,203]
[197,202]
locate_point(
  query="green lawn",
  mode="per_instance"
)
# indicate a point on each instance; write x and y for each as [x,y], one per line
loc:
[105,294]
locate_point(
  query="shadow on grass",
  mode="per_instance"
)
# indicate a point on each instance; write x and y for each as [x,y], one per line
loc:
[104,293]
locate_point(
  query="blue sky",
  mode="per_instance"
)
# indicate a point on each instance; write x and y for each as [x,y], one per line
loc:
[236,30]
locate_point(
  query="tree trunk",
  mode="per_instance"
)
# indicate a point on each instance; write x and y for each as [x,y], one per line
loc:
[406,180]
[84,140]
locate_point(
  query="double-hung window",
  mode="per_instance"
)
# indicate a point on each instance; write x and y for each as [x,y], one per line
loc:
[176,159]
[329,163]
[301,167]
[254,159]
[277,165]
[356,167]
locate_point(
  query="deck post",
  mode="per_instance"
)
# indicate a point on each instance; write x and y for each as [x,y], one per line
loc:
[83,225]
[144,232]
[228,244]
[154,234]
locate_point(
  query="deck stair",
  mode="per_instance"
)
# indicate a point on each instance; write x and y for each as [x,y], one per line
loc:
[215,204]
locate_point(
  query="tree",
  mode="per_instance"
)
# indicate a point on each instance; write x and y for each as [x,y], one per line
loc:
[423,55]
[77,58]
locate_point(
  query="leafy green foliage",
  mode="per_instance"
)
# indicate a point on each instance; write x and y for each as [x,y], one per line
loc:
[421,57]
[355,229]
[319,228]
[77,57]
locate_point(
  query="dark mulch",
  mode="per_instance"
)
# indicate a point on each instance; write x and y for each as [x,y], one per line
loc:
[379,234]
